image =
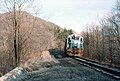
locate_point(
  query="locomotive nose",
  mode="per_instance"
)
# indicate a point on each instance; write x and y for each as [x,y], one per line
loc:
[75,44]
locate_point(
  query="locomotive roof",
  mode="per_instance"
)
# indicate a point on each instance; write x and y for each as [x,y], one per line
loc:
[75,35]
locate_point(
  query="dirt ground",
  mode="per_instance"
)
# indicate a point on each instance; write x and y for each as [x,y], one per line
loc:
[65,69]
[49,68]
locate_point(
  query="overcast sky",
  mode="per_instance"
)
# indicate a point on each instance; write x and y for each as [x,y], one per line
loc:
[75,14]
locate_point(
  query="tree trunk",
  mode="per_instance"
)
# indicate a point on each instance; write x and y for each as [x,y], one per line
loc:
[15,35]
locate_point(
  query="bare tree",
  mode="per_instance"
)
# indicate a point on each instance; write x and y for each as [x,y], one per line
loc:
[111,29]
[14,21]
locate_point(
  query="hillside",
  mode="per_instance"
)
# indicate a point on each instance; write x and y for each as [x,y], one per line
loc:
[35,35]
[41,30]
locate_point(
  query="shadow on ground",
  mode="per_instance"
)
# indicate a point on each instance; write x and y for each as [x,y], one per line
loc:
[57,53]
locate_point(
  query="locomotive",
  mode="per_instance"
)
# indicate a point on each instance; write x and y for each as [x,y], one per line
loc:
[74,45]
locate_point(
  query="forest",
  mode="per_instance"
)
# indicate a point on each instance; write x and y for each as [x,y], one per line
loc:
[102,42]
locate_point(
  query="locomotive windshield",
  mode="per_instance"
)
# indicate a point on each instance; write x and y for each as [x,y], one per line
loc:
[75,38]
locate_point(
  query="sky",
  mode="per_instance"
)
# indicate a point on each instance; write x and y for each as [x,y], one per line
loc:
[75,14]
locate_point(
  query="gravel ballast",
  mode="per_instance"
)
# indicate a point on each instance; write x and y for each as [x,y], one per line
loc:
[48,68]
[67,70]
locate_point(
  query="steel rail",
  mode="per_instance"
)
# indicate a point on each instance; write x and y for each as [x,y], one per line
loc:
[115,73]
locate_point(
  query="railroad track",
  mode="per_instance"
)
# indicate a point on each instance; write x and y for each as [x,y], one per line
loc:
[111,71]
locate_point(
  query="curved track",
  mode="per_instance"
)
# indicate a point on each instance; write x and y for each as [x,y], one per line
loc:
[111,71]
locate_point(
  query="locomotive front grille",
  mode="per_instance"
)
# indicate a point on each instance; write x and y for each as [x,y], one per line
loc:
[73,51]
